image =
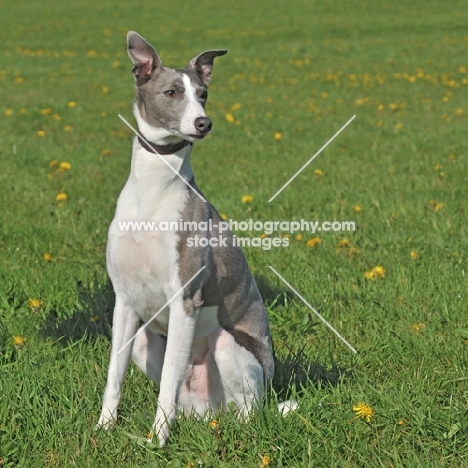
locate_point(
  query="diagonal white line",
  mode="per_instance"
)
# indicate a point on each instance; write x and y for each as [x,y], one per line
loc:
[162,159]
[161,309]
[312,158]
[314,311]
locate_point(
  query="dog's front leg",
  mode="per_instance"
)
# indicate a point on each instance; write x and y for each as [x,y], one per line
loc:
[124,326]
[179,343]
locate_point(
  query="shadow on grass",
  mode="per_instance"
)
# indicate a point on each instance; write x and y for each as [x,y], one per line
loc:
[92,319]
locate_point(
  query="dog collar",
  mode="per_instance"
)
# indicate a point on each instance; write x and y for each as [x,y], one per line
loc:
[163,149]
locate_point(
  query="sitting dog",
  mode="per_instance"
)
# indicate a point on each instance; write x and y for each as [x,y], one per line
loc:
[191,316]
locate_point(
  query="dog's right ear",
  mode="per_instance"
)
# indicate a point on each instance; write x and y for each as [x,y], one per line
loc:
[143,56]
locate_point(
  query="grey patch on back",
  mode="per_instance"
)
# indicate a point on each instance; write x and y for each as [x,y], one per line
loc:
[226,282]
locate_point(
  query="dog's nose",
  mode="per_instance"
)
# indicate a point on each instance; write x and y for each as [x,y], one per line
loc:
[203,124]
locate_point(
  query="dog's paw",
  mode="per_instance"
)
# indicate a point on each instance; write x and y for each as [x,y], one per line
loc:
[105,423]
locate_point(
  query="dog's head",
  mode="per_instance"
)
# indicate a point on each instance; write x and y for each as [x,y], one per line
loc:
[170,104]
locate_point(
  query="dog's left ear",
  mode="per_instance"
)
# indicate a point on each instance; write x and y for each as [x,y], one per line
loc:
[203,64]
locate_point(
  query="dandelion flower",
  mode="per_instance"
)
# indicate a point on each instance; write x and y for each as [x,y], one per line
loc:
[94,318]
[357,208]
[19,79]
[318,172]
[247,199]
[61,197]
[230,118]
[105,89]
[53,163]
[419,327]
[41,133]
[35,304]
[236,106]
[278,136]
[313,242]
[266,460]
[66,166]
[375,273]
[56,117]
[413,254]
[19,341]
[9,112]
[67,128]
[46,111]
[298,237]
[72,104]
[343,243]
[364,411]
[214,424]
[402,422]
[106,152]
[47,257]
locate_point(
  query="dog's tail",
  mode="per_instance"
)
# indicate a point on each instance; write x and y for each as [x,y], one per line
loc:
[288,406]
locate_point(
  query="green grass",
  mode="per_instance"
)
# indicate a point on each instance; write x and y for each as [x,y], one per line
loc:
[299,68]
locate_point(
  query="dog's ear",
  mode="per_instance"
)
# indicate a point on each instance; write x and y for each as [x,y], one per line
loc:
[143,56]
[203,64]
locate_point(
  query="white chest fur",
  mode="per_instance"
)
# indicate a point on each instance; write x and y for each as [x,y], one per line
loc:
[143,264]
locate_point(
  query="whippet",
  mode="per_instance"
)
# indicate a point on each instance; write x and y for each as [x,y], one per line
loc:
[211,344]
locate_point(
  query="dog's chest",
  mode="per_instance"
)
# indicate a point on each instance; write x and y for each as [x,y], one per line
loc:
[142,258]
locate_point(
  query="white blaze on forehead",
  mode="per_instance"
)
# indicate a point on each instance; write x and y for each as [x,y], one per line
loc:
[193,108]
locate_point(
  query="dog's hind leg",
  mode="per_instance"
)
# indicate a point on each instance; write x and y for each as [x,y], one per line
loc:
[148,354]
[241,375]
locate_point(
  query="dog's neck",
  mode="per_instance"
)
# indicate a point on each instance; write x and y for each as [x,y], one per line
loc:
[162,149]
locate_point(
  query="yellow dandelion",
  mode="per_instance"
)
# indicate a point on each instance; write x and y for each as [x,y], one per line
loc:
[115,64]
[459,111]
[343,243]
[94,318]
[437,167]
[19,79]
[105,89]
[61,197]
[53,163]
[23,111]
[19,341]
[419,327]
[402,422]
[452,157]
[214,424]
[298,237]
[47,257]
[67,128]
[106,152]
[149,435]
[103,114]
[364,411]
[438,206]
[56,117]
[247,199]
[446,99]
[236,106]
[230,118]
[398,126]
[223,216]
[46,111]
[266,460]
[375,273]
[278,136]
[264,235]
[41,133]
[379,271]
[354,251]
[9,112]
[318,172]
[380,123]
[72,104]
[35,304]
[413,254]
[66,166]
[381,107]
[357,208]
[313,242]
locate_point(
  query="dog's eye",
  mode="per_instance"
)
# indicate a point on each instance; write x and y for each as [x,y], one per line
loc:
[204,96]
[170,93]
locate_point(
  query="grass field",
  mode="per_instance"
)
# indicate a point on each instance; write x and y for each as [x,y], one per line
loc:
[295,73]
